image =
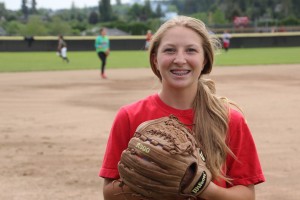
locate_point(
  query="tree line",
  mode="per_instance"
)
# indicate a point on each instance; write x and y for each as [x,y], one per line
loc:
[137,18]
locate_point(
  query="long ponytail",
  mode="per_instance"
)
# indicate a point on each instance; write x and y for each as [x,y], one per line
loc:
[211,126]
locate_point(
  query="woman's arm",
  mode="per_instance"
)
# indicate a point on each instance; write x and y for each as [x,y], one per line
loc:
[113,191]
[239,192]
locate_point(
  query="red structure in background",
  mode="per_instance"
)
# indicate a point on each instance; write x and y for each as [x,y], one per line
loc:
[240,21]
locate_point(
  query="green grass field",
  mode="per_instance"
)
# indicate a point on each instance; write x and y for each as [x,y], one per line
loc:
[46,61]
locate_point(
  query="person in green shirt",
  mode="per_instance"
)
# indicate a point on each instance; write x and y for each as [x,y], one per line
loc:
[102,48]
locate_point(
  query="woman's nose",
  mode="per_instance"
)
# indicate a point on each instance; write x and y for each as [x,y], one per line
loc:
[180,58]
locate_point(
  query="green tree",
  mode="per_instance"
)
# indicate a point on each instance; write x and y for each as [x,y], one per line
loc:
[213,12]
[73,11]
[179,4]
[34,26]
[190,6]
[232,9]
[118,2]
[138,28]
[289,21]
[154,24]
[208,5]
[14,27]
[173,8]
[93,18]
[218,17]
[24,9]
[121,11]
[78,14]
[287,7]
[2,11]
[78,26]
[141,12]
[105,10]
[12,15]
[158,11]
[296,8]
[57,26]
[202,16]
[147,11]
[33,6]
[135,13]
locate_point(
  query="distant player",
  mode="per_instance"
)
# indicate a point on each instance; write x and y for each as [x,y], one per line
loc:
[62,48]
[226,40]
[148,39]
[102,48]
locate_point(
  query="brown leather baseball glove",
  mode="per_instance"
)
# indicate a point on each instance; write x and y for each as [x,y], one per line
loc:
[163,162]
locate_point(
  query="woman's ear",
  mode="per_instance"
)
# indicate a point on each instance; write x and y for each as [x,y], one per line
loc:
[154,60]
[203,67]
[204,62]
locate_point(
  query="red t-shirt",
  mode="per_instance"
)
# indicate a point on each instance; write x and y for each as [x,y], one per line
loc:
[246,170]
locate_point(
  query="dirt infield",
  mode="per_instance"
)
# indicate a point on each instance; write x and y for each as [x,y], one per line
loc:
[54,127]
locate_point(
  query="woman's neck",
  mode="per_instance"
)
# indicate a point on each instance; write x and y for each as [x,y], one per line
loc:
[176,98]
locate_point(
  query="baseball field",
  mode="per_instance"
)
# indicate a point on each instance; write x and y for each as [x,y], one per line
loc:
[55,119]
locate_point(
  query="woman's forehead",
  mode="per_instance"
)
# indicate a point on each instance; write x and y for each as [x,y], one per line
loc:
[180,34]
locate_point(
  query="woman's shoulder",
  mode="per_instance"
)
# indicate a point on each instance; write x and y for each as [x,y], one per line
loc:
[237,123]
[236,118]
[235,114]
[141,103]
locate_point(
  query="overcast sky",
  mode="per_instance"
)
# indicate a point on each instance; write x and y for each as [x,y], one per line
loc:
[55,4]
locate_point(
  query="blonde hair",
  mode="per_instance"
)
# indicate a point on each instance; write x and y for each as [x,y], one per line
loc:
[211,112]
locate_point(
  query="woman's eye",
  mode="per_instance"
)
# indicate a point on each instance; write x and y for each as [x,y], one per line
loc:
[169,50]
[190,50]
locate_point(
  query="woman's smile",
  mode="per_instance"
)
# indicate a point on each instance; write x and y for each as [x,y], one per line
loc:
[180,72]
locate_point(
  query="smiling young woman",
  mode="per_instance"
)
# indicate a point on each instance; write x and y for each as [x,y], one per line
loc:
[181,52]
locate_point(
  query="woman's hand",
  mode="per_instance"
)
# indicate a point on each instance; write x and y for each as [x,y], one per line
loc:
[238,192]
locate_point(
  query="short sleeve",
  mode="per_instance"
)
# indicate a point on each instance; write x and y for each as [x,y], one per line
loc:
[245,169]
[117,142]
